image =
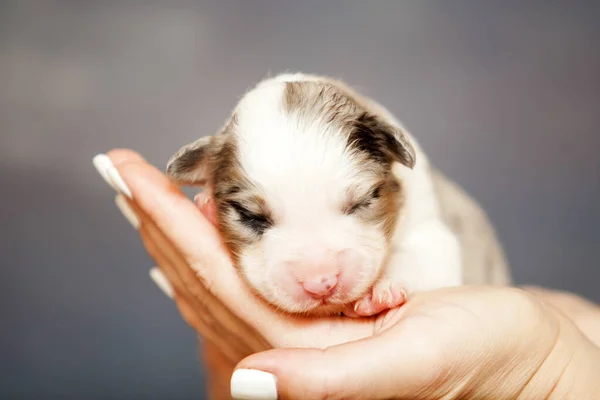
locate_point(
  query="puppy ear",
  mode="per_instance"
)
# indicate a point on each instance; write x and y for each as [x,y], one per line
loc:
[382,141]
[190,165]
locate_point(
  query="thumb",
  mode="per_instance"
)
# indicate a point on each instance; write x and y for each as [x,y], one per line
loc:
[377,368]
[285,374]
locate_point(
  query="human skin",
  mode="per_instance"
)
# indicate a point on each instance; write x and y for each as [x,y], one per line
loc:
[469,342]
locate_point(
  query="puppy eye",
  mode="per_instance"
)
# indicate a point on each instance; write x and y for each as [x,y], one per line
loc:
[259,223]
[358,206]
[365,202]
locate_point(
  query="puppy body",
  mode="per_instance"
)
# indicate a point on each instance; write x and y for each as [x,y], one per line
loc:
[326,202]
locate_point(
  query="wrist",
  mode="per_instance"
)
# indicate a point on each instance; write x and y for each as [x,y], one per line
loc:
[218,370]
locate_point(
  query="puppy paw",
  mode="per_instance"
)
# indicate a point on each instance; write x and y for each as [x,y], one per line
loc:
[384,295]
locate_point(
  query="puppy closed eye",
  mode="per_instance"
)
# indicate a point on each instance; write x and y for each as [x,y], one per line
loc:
[257,222]
[364,202]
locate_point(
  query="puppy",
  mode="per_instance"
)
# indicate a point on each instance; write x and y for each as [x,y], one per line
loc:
[325,201]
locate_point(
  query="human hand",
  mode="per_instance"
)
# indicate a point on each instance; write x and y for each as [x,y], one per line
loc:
[467,342]
[464,342]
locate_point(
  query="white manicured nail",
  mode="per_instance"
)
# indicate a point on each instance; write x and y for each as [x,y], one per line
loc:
[127,211]
[102,163]
[251,384]
[118,182]
[161,281]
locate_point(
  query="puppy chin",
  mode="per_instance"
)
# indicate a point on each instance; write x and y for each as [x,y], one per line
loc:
[314,308]
[292,301]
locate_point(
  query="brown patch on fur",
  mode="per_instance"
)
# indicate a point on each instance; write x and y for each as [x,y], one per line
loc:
[392,200]
[322,100]
[380,206]
[228,183]
[376,145]
[333,104]
[235,196]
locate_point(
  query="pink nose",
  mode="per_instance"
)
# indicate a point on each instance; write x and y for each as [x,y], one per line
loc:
[320,285]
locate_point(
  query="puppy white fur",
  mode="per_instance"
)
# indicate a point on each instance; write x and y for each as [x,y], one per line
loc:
[325,200]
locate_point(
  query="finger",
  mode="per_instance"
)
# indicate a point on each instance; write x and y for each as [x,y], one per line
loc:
[165,278]
[384,366]
[174,214]
[166,205]
[121,156]
[207,206]
[215,324]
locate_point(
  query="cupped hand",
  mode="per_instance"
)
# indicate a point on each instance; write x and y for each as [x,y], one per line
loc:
[462,343]
[469,342]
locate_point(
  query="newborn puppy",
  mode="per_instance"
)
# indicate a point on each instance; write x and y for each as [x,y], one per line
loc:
[324,200]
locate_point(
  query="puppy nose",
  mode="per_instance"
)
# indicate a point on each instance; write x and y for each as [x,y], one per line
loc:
[320,285]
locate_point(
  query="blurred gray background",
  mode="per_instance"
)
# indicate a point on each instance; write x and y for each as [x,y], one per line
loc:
[503,95]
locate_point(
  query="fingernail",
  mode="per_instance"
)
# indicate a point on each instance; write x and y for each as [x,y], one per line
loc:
[251,384]
[161,281]
[102,163]
[127,211]
[118,182]
[109,173]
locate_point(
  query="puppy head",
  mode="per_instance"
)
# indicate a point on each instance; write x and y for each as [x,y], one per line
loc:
[301,176]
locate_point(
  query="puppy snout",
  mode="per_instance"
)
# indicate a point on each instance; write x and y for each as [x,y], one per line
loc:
[320,285]
[323,272]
